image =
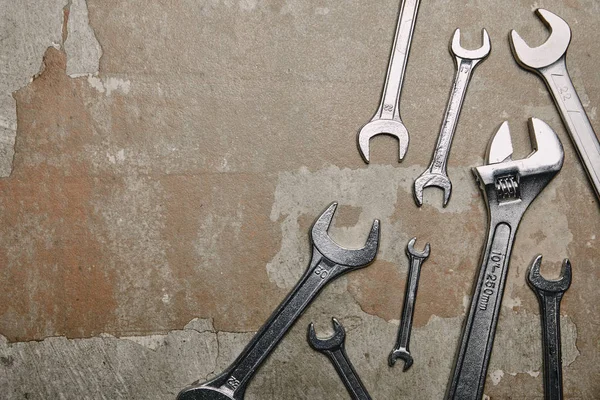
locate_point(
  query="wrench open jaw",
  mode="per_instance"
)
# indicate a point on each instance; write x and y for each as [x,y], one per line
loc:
[436,174]
[548,53]
[329,261]
[392,127]
[330,343]
[540,284]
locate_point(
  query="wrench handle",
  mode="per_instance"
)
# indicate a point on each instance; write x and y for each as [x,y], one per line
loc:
[388,109]
[464,70]
[550,315]
[348,374]
[472,361]
[575,119]
[236,378]
[408,307]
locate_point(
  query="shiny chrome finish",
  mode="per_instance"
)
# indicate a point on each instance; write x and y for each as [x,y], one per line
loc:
[509,187]
[549,62]
[387,118]
[549,294]
[465,62]
[328,262]
[333,347]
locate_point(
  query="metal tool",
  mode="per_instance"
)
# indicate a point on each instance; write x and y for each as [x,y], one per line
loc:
[333,348]
[465,61]
[549,294]
[401,350]
[329,261]
[387,118]
[548,61]
[509,187]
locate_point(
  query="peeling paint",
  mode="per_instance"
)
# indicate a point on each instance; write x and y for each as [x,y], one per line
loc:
[82,47]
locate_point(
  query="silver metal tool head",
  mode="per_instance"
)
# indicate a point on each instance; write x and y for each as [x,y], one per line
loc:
[338,254]
[548,53]
[479,54]
[428,179]
[539,283]
[410,249]
[504,180]
[389,127]
[403,355]
[330,343]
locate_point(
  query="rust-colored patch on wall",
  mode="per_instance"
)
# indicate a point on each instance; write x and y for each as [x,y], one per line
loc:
[54,280]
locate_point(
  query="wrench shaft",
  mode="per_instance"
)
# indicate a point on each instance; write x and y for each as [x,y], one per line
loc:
[575,119]
[388,109]
[348,374]
[408,307]
[550,315]
[478,338]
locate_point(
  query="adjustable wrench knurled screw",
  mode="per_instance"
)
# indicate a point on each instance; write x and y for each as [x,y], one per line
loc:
[549,62]
[549,294]
[401,349]
[387,118]
[333,348]
[465,61]
[329,261]
[509,187]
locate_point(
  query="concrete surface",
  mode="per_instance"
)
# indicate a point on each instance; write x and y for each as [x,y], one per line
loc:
[163,161]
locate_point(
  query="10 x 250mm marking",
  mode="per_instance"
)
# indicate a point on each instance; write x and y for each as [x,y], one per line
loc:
[490,285]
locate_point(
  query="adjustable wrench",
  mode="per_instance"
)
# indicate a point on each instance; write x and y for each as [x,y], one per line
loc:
[401,350]
[387,118]
[465,61]
[549,294]
[548,61]
[333,348]
[329,261]
[508,187]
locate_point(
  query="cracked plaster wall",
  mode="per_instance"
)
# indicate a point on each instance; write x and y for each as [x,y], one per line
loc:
[169,161]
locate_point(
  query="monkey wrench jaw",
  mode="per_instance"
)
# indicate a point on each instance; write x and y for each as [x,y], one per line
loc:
[518,182]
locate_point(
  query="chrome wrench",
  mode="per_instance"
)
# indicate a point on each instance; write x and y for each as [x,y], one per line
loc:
[509,187]
[401,350]
[329,261]
[387,118]
[333,348]
[548,61]
[549,294]
[465,62]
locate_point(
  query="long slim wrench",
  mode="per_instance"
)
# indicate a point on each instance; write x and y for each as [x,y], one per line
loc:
[548,61]
[333,348]
[508,187]
[465,62]
[549,294]
[387,118]
[401,350]
[329,261]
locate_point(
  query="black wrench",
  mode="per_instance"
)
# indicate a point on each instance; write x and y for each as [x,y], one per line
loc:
[401,348]
[333,348]
[549,294]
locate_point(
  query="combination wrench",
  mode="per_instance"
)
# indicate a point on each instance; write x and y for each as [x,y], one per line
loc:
[401,350]
[549,62]
[465,62]
[387,118]
[329,261]
[333,348]
[508,187]
[549,294]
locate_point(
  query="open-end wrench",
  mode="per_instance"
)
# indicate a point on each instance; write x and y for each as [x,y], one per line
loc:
[387,118]
[416,258]
[329,261]
[549,294]
[548,61]
[465,61]
[509,187]
[333,348]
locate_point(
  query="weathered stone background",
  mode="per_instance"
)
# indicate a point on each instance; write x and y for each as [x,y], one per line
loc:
[163,161]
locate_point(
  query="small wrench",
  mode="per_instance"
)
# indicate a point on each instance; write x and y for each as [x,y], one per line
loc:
[549,294]
[548,61]
[509,187]
[465,62]
[333,348]
[401,348]
[387,118]
[329,261]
